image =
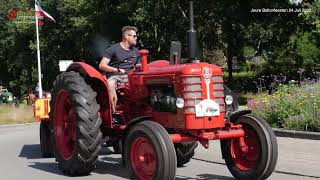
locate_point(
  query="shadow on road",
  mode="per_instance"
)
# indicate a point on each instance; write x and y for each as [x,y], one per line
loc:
[31,151]
[205,177]
[105,165]
[49,167]
[212,176]
[112,166]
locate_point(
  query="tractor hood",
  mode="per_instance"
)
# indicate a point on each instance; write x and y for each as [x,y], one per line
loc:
[162,67]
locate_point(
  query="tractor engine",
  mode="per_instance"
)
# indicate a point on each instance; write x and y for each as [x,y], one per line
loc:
[162,99]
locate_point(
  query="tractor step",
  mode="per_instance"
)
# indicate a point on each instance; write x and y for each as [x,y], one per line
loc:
[117,119]
[117,113]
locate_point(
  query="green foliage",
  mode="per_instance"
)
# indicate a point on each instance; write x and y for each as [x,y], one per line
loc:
[16,57]
[248,51]
[291,107]
[313,17]
[308,47]
[302,47]
[291,40]
[242,81]
[155,36]
[302,51]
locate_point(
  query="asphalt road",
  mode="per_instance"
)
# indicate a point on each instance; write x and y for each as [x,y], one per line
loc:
[20,159]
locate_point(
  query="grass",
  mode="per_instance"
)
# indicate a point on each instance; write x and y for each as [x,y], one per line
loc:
[12,115]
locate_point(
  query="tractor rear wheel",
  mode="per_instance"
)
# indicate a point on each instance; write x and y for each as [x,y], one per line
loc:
[185,151]
[76,125]
[149,152]
[258,160]
[45,143]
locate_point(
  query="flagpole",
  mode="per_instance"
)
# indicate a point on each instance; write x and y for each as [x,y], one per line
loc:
[38,55]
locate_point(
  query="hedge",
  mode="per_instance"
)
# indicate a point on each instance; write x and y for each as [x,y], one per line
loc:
[241,81]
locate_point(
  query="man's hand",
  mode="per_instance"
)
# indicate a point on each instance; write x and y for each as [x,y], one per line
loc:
[121,71]
[137,66]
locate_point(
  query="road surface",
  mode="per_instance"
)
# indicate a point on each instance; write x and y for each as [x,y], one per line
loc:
[21,160]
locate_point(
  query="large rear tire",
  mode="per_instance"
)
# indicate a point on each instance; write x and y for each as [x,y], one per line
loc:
[149,152]
[45,142]
[76,125]
[260,159]
[185,151]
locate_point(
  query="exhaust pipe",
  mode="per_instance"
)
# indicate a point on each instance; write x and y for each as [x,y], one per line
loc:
[192,36]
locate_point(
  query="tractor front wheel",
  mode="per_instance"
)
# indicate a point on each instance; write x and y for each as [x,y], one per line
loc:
[257,160]
[76,125]
[149,152]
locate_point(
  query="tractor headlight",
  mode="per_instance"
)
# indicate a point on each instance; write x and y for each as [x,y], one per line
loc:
[180,102]
[228,99]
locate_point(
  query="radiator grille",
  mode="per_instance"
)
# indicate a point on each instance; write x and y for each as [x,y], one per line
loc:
[218,91]
[192,91]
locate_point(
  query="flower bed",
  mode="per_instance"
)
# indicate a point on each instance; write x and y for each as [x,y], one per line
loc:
[291,107]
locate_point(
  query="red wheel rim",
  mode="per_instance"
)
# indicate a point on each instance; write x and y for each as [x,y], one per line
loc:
[246,160]
[64,125]
[143,158]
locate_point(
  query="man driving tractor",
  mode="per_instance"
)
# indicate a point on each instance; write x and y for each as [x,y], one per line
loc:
[118,59]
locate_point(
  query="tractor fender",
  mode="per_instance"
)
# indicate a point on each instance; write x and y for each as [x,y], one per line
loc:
[86,69]
[233,116]
[133,122]
[137,120]
[99,84]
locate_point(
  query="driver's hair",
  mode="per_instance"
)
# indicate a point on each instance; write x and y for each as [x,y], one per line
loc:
[125,29]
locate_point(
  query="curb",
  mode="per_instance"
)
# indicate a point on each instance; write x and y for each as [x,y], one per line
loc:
[297,134]
[17,125]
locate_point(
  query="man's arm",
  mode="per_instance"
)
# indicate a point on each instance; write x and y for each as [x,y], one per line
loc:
[105,67]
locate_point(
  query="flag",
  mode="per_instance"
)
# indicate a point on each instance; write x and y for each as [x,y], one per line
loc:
[40,23]
[40,12]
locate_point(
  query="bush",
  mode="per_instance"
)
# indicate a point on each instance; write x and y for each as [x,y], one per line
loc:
[291,107]
[241,81]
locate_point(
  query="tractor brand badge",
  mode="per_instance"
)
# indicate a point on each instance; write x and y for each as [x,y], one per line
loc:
[207,73]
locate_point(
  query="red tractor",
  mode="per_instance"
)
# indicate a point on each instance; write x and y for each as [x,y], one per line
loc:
[163,111]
